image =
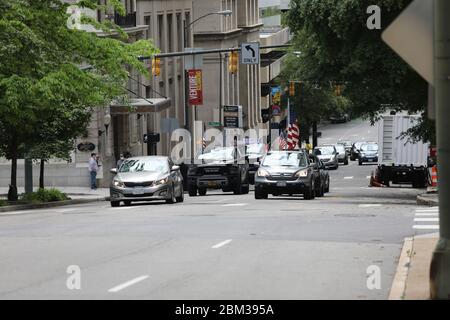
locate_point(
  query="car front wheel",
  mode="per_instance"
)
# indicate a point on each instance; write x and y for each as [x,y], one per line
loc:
[259,194]
[115,204]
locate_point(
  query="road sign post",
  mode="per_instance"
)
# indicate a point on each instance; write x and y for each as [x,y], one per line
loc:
[440,264]
[250,53]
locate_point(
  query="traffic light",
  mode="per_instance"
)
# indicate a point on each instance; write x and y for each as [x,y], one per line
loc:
[291,89]
[156,67]
[338,89]
[233,62]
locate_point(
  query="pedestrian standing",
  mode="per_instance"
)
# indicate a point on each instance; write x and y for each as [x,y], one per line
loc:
[93,168]
[120,161]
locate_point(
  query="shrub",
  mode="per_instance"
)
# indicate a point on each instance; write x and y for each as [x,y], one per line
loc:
[3,203]
[45,195]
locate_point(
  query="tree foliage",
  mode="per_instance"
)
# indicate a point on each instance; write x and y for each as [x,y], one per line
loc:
[336,45]
[43,88]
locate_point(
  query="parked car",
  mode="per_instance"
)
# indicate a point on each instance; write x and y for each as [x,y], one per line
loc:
[222,168]
[328,155]
[368,153]
[339,118]
[322,176]
[286,172]
[146,179]
[342,154]
[254,154]
[325,177]
[354,151]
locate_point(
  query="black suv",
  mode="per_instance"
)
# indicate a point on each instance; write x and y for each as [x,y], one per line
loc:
[286,172]
[222,168]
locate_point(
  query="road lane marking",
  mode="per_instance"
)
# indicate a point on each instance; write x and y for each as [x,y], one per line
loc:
[127,284]
[348,178]
[234,205]
[369,205]
[426,219]
[427,210]
[426,227]
[221,244]
[424,214]
[66,210]
[12,213]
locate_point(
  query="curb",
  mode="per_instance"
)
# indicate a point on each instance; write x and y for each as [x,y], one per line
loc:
[399,284]
[49,204]
[425,201]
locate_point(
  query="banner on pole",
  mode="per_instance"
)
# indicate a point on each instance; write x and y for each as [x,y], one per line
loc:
[195,87]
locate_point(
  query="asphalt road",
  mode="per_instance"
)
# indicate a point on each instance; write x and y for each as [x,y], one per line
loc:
[221,246]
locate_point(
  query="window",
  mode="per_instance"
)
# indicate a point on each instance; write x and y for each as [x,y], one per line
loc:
[170,31]
[161,32]
[179,33]
[147,22]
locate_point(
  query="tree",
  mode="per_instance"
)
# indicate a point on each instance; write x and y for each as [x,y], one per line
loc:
[313,100]
[40,74]
[336,45]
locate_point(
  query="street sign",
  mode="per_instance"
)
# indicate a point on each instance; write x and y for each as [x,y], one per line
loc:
[214,124]
[250,53]
[195,87]
[411,36]
[232,116]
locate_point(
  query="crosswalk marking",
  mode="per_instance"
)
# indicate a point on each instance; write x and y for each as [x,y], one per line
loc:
[424,218]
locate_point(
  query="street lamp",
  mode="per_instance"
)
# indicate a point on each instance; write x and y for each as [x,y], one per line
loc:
[225,13]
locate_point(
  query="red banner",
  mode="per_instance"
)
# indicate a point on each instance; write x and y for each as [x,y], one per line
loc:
[195,87]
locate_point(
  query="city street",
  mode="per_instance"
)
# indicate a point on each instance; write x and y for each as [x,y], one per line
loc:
[220,246]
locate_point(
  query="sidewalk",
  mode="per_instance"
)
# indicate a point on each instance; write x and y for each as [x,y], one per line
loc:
[74,193]
[428,199]
[412,279]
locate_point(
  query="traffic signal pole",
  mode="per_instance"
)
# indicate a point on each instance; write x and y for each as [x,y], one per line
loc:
[440,264]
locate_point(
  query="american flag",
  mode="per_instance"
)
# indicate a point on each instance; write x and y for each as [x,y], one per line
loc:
[293,130]
[282,143]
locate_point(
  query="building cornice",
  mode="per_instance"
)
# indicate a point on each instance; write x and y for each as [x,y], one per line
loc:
[215,36]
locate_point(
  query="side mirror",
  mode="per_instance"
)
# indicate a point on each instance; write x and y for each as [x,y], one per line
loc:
[114,170]
[175,168]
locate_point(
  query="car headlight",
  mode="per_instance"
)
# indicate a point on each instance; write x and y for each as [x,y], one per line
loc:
[161,181]
[302,173]
[118,183]
[262,173]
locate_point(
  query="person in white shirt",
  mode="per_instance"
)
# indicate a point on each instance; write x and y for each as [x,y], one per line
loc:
[93,168]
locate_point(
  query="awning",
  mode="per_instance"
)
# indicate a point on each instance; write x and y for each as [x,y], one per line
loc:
[141,106]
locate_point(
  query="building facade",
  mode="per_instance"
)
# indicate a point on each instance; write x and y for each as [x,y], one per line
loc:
[159,102]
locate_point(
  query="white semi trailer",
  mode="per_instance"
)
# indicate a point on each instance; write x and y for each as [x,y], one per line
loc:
[399,160]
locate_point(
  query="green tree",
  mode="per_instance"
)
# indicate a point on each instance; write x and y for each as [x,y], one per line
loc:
[40,73]
[336,45]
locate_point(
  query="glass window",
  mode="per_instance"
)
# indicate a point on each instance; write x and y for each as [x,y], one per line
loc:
[145,165]
[285,159]
[369,147]
[324,150]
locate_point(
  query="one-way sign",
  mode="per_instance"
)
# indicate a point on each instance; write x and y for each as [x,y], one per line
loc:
[250,53]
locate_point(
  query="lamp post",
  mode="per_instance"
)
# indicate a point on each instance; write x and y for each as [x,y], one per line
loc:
[224,13]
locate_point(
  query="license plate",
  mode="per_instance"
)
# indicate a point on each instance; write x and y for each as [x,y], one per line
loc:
[138,191]
[212,184]
[370,160]
[281,184]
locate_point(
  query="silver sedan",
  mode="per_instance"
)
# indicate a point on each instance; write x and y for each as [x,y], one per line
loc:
[146,179]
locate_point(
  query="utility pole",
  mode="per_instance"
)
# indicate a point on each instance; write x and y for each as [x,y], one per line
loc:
[440,264]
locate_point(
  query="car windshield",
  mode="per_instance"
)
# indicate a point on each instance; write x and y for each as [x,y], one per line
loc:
[340,148]
[358,144]
[255,148]
[369,147]
[145,165]
[285,159]
[324,151]
[218,154]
